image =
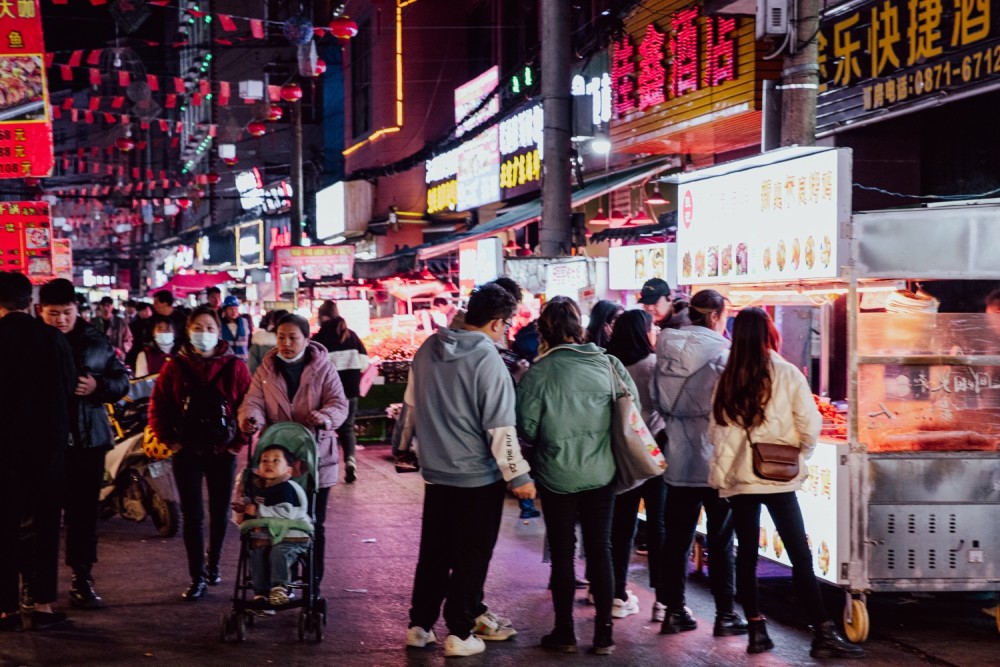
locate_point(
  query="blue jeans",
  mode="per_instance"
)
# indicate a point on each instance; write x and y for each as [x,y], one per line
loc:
[271,566]
[784,510]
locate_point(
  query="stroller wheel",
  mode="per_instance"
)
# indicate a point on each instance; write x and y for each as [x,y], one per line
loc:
[317,625]
[303,621]
[226,628]
[241,627]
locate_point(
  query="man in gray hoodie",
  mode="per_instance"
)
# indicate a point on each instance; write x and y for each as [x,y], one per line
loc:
[461,402]
[689,362]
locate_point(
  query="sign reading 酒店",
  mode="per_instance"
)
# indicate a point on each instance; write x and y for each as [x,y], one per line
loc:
[775,217]
[885,56]
[25,124]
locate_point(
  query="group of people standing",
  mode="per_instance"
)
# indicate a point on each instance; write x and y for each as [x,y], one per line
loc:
[706,394]
[59,372]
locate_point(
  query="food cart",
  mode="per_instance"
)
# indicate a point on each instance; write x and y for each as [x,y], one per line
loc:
[907,496]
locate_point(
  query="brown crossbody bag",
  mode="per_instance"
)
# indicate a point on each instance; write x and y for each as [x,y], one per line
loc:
[774,461]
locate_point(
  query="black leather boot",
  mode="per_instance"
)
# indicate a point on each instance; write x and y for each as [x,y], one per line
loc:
[758,640]
[604,644]
[562,640]
[81,592]
[729,624]
[827,643]
[196,590]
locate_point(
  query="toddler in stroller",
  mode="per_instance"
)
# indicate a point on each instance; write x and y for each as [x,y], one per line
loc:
[275,512]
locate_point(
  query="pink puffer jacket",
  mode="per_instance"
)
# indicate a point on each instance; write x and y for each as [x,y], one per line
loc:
[320,389]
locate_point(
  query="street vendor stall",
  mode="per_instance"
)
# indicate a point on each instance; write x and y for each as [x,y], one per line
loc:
[904,486]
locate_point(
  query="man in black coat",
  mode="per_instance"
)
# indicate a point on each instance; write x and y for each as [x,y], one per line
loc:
[37,378]
[101,379]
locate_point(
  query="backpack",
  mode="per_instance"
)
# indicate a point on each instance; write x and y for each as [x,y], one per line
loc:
[206,418]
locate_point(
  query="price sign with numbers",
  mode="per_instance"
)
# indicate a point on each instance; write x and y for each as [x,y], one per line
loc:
[25,123]
[26,238]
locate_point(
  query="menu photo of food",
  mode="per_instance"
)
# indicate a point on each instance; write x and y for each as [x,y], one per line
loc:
[40,266]
[823,557]
[22,92]
[762,540]
[640,266]
[37,237]
[825,250]
[712,267]
[766,260]
[742,259]
[779,546]
[781,256]
[810,253]
[686,265]
[796,253]
[726,260]
[657,263]
[699,263]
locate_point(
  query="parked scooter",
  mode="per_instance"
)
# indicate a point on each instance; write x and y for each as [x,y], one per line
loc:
[136,486]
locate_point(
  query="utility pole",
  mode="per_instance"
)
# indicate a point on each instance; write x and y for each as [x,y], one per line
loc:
[800,79]
[556,105]
[297,190]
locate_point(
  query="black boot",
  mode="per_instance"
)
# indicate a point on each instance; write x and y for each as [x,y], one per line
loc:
[827,643]
[560,639]
[604,644]
[81,592]
[196,590]
[758,640]
[729,624]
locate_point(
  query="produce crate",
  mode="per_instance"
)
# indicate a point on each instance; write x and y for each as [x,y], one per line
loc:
[395,372]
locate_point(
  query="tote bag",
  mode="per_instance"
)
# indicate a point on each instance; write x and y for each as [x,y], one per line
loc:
[637,456]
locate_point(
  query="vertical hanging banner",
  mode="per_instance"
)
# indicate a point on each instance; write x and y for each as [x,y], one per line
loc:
[25,125]
[26,239]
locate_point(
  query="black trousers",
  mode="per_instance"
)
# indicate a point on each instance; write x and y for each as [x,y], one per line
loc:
[684,504]
[346,434]
[593,509]
[319,533]
[653,492]
[29,530]
[457,535]
[218,472]
[81,490]
[787,517]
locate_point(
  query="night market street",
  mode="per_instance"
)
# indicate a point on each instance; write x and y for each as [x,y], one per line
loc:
[373,529]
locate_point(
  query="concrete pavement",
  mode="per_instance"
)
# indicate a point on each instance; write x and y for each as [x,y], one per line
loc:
[373,528]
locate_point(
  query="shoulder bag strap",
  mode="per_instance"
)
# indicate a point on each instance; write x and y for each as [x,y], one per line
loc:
[677,398]
[621,388]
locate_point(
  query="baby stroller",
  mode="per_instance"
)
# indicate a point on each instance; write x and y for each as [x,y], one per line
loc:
[312,615]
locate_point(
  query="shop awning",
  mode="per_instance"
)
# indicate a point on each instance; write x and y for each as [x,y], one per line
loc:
[189,283]
[635,232]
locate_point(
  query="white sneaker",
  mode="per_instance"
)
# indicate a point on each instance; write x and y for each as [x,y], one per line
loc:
[457,648]
[501,621]
[417,637]
[659,612]
[488,627]
[627,607]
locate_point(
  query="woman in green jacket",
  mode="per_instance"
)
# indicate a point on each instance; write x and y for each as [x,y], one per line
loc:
[564,409]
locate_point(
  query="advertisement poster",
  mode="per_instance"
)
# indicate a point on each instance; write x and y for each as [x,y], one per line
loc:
[62,258]
[631,266]
[26,239]
[25,125]
[773,222]
[314,262]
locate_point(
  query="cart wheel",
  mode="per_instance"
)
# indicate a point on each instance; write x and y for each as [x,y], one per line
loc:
[241,627]
[302,625]
[857,629]
[226,628]
[317,625]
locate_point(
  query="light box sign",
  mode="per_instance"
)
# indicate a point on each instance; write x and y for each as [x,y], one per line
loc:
[521,151]
[313,262]
[631,266]
[479,262]
[886,55]
[255,195]
[25,124]
[478,158]
[441,176]
[26,239]
[250,244]
[769,223]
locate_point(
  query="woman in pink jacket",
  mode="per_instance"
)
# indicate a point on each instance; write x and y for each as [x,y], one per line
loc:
[296,382]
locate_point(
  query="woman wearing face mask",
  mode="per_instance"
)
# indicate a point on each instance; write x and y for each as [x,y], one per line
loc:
[157,352]
[204,376]
[297,382]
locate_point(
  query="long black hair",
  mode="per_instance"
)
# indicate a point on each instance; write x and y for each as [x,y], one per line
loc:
[630,337]
[603,312]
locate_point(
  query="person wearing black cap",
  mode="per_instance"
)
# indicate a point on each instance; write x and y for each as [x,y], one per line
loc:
[655,300]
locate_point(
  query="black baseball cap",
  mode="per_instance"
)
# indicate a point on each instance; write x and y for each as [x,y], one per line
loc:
[653,289]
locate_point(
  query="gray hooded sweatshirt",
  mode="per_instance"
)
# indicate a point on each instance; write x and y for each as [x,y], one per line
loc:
[699,355]
[462,401]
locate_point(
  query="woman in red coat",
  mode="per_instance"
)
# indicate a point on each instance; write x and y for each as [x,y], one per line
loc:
[193,412]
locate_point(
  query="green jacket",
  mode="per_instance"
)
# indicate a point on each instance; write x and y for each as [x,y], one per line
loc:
[564,409]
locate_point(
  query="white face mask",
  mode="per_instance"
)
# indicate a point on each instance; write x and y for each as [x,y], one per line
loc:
[295,358]
[164,338]
[204,341]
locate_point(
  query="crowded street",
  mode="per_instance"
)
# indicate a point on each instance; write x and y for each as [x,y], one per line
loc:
[374,528]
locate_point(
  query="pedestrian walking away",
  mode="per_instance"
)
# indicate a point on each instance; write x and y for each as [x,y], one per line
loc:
[761,398]
[102,378]
[37,380]
[460,399]
[193,412]
[569,424]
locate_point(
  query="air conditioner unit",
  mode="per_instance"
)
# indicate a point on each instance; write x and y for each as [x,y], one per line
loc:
[772,18]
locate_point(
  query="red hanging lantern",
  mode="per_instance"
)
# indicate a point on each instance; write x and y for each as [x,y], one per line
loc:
[212,178]
[274,113]
[320,67]
[31,182]
[231,161]
[291,92]
[184,203]
[343,28]
[124,144]
[257,129]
